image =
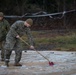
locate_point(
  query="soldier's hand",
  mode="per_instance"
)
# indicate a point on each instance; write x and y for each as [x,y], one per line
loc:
[32,47]
[17,36]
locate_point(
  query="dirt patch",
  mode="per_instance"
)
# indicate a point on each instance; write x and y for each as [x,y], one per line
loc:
[34,64]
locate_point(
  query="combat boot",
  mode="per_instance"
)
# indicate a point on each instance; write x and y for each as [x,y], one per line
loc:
[7,62]
[17,64]
[2,59]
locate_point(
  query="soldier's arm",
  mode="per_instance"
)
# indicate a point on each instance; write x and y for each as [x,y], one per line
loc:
[30,37]
[13,29]
[7,26]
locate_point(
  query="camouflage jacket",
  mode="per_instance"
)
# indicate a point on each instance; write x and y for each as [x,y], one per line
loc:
[18,28]
[4,28]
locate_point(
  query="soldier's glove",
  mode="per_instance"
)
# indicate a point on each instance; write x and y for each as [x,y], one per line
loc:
[32,47]
[17,36]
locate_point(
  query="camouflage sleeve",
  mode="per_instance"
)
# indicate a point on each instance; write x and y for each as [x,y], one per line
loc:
[7,26]
[13,29]
[30,37]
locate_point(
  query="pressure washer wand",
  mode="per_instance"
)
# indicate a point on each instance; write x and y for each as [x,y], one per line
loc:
[50,63]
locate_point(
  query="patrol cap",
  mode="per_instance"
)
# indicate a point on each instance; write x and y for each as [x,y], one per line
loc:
[1,14]
[29,21]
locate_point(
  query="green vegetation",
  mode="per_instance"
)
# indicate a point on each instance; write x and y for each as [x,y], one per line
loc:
[60,42]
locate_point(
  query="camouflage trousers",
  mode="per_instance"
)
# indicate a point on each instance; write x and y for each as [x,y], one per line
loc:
[2,49]
[13,43]
[18,54]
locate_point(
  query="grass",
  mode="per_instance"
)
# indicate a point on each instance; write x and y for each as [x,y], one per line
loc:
[61,42]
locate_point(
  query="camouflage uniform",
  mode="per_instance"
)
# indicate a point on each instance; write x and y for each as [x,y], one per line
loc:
[4,27]
[12,42]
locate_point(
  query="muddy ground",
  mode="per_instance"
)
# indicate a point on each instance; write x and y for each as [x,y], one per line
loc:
[34,64]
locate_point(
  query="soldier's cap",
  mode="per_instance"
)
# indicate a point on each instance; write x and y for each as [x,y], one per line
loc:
[29,21]
[1,14]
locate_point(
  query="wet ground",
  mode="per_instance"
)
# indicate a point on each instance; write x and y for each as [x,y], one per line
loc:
[34,64]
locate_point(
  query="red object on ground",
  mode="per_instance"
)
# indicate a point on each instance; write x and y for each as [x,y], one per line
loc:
[51,63]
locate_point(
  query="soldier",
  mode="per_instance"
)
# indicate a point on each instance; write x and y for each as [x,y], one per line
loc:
[4,27]
[18,29]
